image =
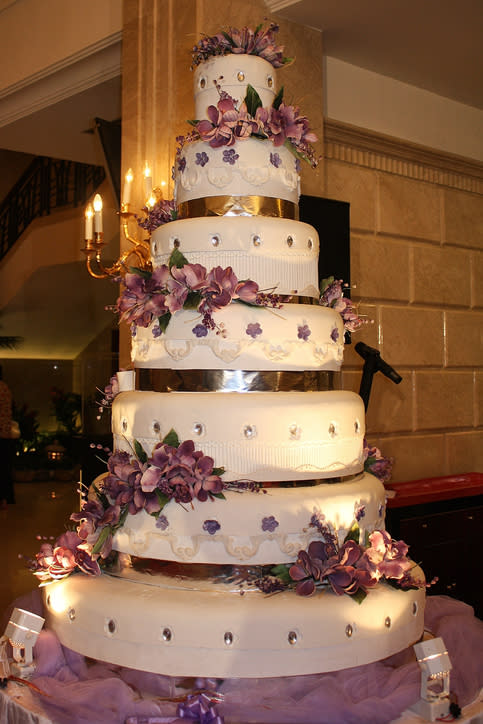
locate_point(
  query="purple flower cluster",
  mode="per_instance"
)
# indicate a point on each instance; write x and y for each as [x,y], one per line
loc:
[161,213]
[260,41]
[148,296]
[377,464]
[332,295]
[173,472]
[227,123]
[351,568]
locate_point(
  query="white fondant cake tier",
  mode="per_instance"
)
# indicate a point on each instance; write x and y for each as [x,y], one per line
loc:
[249,168]
[233,73]
[254,528]
[211,633]
[296,337]
[278,254]
[262,436]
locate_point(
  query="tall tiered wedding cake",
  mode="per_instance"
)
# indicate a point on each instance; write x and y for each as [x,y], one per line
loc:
[237,479]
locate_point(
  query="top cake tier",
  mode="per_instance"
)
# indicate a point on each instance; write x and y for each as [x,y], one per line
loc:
[233,74]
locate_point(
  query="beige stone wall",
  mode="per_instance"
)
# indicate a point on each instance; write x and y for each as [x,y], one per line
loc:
[416,258]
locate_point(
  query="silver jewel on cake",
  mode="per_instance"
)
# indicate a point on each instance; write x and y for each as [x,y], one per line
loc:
[332,429]
[415,608]
[155,248]
[256,241]
[156,427]
[294,431]
[167,635]
[310,243]
[270,81]
[202,82]
[240,76]
[215,240]
[124,424]
[349,630]
[71,614]
[289,241]
[357,427]
[111,626]
[387,622]
[292,638]
[249,431]
[228,638]
[48,601]
[176,243]
[198,428]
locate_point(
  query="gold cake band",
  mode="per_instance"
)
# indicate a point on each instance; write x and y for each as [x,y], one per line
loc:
[238,206]
[160,380]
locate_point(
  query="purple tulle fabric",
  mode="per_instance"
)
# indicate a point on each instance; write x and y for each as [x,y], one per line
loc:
[84,692]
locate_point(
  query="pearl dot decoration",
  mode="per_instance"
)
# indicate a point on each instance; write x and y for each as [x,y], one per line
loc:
[111,626]
[415,608]
[294,432]
[357,427]
[124,424]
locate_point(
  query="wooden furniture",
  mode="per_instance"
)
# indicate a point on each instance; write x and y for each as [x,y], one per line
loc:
[441,519]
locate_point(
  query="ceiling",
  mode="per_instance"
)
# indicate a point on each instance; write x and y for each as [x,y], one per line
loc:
[433,44]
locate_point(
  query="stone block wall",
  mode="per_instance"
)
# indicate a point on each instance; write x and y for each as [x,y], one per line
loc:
[416,265]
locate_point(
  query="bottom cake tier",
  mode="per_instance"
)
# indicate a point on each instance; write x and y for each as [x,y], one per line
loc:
[166,625]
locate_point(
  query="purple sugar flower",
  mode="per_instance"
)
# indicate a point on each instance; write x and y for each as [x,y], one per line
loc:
[211,526]
[359,511]
[297,165]
[201,159]
[230,156]
[304,332]
[275,160]
[162,522]
[269,524]
[254,329]
[200,330]
[334,335]
[181,164]
[156,331]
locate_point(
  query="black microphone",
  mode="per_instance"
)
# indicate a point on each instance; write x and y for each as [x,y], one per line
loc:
[373,363]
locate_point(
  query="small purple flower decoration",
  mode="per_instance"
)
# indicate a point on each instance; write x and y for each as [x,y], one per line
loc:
[230,156]
[359,511]
[303,332]
[156,331]
[297,165]
[201,159]
[380,510]
[181,164]
[134,330]
[211,526]
[200,330]
[162,522]
[254,329]
[334,335]
[275,160]
[269,524]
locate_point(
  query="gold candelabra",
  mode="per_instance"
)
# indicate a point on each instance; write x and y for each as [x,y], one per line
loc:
[136,255]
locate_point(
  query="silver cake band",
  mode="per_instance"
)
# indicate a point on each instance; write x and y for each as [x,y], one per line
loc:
[165,380]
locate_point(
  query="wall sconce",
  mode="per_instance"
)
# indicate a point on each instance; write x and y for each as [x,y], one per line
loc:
[435,665]
[22,632]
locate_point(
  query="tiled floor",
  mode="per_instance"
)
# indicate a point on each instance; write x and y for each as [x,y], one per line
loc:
[42,508]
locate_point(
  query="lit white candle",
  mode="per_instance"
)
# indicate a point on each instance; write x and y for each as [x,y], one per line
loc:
[126,192]
[97,213]
[148,180]
[89,213]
